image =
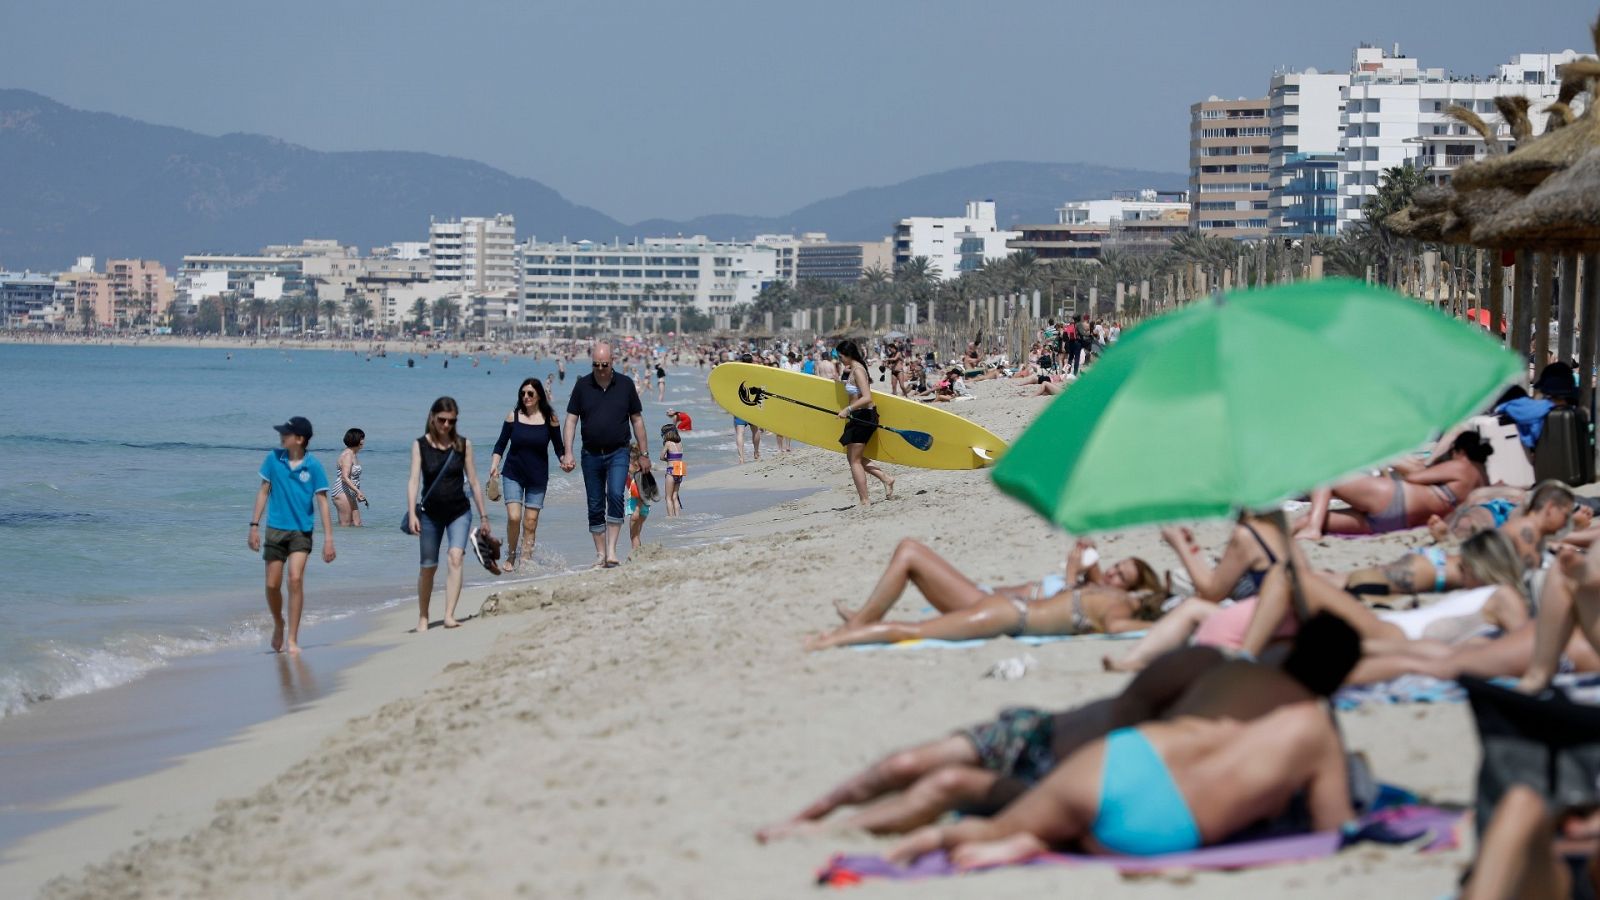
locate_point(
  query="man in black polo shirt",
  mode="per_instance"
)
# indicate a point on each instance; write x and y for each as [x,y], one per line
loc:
[608,404]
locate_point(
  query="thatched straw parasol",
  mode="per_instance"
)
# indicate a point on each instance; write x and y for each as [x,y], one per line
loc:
[1563,213]
[1539,158]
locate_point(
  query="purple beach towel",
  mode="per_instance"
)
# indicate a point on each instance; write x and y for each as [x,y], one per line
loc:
[1433,828]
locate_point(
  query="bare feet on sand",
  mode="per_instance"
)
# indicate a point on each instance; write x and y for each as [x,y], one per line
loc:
[292,648]
[845,612]
[277,636]
[1438,529]
[789,829]
[422,624]
[451,623]
[888,489]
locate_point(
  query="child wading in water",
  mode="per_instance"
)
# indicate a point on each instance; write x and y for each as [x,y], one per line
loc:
[672,455]
[294,493]
[641,492]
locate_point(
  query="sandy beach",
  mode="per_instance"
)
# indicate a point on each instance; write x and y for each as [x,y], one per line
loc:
[623,733]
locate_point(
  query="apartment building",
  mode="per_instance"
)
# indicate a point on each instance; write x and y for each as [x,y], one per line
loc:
[479,254]
[843,262]
[584,283]
[1303,113]
[1229,162]
[25,298]
[941,239]
[130,292]
[248,277]
[1136,221]
[1395,114]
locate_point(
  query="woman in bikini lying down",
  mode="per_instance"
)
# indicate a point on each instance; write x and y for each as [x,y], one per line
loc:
[1394,502]
[1091,609]
[947,590]
[1161,787]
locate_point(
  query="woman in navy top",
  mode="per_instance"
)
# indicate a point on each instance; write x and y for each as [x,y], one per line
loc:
[524,446]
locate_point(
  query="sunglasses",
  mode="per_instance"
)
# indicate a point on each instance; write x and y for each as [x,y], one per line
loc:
[602,365]
[443,421]
[530,393]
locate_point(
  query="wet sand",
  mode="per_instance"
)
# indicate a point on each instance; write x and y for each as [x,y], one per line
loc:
[622,733]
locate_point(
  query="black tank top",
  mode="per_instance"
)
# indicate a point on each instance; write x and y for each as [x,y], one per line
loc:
[447,500]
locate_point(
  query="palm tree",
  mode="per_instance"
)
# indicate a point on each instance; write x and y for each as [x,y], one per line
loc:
[257,309]
[360,311]
[328,310]
[444,312]
[917,270]
[419,314]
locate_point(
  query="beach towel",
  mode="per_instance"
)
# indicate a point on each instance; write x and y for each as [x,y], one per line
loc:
[1430,828]
[1031,640]
[1580,687]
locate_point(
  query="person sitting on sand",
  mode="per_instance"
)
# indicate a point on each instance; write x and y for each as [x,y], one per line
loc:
[1569,608]
[1393,502]
[981,769]
[1255,546]
[1162,787]
[1549,510]
[947,590]
[1091,609]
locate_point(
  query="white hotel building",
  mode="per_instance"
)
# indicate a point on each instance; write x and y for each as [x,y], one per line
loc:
[584,283]
[1394,112]
[480,254]
[953,244]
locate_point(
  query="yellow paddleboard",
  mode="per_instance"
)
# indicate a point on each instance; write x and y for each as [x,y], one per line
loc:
[755,394]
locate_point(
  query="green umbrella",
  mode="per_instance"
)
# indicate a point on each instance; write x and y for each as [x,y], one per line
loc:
[1244,401]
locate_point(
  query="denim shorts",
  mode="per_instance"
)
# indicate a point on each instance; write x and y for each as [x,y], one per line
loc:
[453,535]
[512,491]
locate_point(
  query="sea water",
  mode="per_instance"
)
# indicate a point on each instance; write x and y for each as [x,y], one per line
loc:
[128,477]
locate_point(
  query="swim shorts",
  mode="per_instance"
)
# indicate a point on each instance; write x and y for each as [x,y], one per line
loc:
[279,544]
[1016,744]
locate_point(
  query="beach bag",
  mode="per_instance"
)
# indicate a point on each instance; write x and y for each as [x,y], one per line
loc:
[1564,451]
[405,518]
[491,489]
[1547,742]
[1509,464]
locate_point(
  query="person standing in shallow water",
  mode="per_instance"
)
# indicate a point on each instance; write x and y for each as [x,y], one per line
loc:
[607,403]
[294,488]
[524,446]
[441,472]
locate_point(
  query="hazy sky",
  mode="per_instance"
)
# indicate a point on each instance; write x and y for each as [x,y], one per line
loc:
[681,108]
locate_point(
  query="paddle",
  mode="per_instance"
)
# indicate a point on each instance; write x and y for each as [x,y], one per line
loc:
[751,396]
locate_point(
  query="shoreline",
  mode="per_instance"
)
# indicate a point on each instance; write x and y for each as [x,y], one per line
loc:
[624,732]
[375,660]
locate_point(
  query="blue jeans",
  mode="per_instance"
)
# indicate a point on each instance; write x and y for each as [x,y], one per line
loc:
[454,536]
[605,475]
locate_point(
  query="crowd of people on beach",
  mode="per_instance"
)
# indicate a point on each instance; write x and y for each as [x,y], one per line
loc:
[1224,730]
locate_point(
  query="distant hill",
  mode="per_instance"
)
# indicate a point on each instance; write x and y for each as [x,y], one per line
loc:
[1024,192]
[88,183]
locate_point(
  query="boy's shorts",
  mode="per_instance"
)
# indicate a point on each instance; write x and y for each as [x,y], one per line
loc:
[279,544]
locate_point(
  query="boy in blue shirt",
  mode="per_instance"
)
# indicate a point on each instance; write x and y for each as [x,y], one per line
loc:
[294,489]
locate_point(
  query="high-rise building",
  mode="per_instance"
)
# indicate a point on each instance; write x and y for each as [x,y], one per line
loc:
[843,262]
[787,248]
[940,239]
[25,298]
[1303,112]
[480,254]
[1229,159]
[585,283]
[1395,114]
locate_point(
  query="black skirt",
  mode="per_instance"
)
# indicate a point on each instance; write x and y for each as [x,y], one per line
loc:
[859,427]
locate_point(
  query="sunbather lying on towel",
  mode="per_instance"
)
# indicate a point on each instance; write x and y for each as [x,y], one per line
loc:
[1484,508]
[1162,787]
[1396,501]
[947,590]
[983,768]
[1549,510]
[1494,597]
[1569,607]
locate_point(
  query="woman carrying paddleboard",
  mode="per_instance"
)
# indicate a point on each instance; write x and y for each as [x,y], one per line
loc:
[861,420]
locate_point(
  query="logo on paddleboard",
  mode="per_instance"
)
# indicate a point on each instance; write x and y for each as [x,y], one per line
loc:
[751,396]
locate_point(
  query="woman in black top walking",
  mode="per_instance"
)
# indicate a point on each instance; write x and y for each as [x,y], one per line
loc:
[529,431]
[436,494]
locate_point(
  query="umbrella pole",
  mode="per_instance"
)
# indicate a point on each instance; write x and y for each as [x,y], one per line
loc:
[1297,594]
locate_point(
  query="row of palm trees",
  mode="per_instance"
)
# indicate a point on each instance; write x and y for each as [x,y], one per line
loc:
[230,314]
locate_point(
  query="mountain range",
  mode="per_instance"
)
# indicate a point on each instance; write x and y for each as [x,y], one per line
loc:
[92,183]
